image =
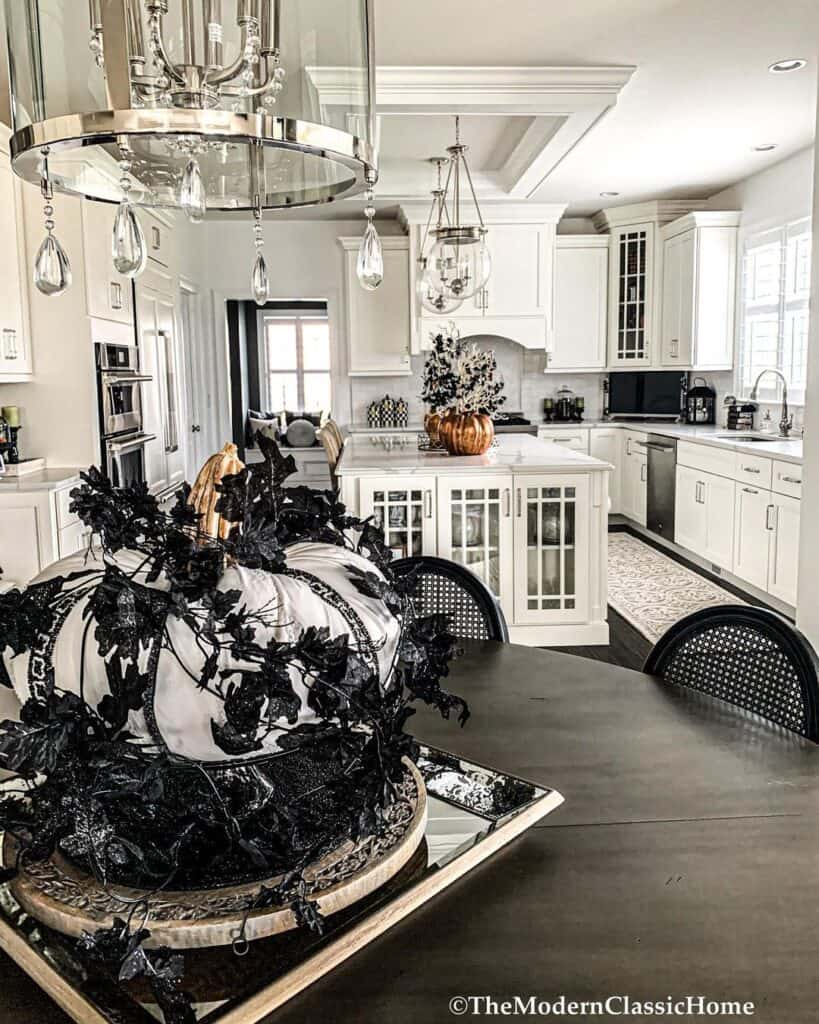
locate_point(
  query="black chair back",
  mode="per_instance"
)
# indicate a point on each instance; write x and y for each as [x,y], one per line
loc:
[450,589]
[747,656]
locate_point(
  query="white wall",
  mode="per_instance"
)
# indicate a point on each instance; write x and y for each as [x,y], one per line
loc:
[305,261]
[779,194]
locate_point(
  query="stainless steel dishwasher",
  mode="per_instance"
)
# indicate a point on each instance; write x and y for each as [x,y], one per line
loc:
[662,481]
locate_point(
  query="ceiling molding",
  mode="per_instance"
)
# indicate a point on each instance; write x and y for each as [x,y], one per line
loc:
[657,211]
[574,97]
[416,211]
[512,90]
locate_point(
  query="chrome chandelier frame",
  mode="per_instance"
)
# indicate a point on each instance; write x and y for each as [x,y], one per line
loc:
[184,96]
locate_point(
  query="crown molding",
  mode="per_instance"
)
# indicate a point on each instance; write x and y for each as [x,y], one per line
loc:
[702,219]
[657,211]
[413,212]
[562,103]
[582,242]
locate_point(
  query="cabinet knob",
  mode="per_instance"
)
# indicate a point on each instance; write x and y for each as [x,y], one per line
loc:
[196,428]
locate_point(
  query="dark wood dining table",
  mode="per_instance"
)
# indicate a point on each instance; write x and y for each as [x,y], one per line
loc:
[684,861]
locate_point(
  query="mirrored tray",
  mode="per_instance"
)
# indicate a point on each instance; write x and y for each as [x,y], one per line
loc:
[473,811]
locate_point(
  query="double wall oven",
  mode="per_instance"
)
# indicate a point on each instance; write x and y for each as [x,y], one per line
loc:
[119,387]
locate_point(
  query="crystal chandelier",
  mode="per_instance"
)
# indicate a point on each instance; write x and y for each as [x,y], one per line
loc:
[370,265]
[197,105]
[459,264]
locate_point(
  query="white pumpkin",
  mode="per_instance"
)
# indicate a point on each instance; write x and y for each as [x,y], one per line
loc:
[182,712]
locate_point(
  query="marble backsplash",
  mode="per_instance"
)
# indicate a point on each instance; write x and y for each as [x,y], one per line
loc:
[525,384]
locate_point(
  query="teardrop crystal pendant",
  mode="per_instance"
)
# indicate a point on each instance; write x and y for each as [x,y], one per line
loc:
[192,196]
[52,271]
[259,281]
[128,242]
[370,267]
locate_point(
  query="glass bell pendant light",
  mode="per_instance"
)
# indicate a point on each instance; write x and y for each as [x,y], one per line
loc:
[52,271]
[192,196]
[259,279]
[429,298]
[370,266]
[128,245]
[443,305]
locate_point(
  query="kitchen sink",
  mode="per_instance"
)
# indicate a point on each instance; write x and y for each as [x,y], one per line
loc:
[755,438]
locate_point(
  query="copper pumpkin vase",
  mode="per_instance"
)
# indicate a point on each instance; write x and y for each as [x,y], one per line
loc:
[467,433]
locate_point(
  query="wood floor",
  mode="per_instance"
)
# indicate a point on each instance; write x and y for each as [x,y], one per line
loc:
[627,647]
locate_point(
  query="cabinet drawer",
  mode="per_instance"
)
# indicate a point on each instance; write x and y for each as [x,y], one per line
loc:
[754,469]
[787,478]
[706,458]
[578,440]
[63,501]
[72,539]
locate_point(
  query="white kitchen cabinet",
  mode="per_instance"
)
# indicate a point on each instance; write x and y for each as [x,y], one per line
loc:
[753,527]
[607,445]
[783,569]
[37,530]
[517,286]
[566,435]
[518,300]
[475,528]
[634,478]
[699,259]
[704,515]
[404,508]
[678,299]
[109,295]
[631,311]
[551,543]
[581,303]
[159,237]
[378,323]
[15,345]
[162,397]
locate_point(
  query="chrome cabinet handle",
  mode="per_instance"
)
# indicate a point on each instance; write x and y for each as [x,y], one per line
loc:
[750,490]
[156,238]
[790,480]
[675,348]
[643,474]
[749,469]
[768,524]
[428,504]
[10,350]
[519,510]
[116,295]
[507,503]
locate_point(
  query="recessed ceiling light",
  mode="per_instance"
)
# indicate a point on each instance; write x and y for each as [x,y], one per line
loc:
[780,67]
[765,147]
[608,195]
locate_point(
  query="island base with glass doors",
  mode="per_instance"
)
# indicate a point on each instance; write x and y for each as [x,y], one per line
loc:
[529,517]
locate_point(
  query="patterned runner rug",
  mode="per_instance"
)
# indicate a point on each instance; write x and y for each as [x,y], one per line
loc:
[652,591]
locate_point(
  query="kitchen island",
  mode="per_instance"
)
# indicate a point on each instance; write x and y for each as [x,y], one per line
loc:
[529,517]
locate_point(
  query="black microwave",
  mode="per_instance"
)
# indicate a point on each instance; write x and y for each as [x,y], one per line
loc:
[651,394]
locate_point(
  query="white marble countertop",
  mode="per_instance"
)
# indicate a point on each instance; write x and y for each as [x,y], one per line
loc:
[42,480]
[777,448]
[517,453]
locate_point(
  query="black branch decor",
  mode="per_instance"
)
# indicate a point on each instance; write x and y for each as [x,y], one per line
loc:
[289,786]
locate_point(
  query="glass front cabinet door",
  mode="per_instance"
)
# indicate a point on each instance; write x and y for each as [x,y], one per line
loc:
[404,507]
[475,529]
[632,268]
[551,544]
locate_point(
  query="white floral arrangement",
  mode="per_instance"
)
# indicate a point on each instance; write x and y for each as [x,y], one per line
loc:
[459,377]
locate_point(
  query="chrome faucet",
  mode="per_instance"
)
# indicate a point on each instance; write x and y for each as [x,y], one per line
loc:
[785,421]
